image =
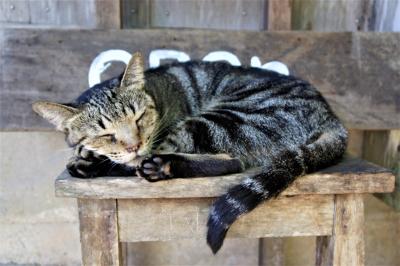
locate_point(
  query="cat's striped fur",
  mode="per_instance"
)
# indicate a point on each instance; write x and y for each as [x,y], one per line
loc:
[256,117]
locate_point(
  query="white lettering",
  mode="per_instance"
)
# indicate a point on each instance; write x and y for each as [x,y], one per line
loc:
[157,55]
[222,55]
[104,59]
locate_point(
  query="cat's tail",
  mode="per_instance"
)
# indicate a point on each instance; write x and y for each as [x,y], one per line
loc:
[321,151]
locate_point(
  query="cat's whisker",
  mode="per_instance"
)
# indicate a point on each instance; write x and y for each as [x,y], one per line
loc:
[103,161]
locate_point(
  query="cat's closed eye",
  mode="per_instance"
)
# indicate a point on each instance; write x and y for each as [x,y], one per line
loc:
[111,137]
[141,116]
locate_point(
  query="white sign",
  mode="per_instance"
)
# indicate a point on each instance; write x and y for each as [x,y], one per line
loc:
[104,59]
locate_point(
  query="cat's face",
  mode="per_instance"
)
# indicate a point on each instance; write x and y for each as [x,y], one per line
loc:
[120,125]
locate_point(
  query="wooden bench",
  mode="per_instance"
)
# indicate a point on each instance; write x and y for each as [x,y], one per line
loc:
[327,204]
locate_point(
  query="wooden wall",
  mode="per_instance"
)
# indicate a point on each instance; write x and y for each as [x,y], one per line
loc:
[93,14]
[221,14]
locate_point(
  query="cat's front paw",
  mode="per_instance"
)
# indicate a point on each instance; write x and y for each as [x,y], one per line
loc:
[82,168]
[155,168]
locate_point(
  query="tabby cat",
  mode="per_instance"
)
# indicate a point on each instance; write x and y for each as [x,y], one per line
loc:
[201,119]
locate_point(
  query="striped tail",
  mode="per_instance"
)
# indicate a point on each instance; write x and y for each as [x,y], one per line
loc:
[327,149]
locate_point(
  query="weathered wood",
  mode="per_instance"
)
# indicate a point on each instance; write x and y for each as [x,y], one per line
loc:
[135,14]
[103,14]
[350,176]
[384,16]
[383,148]
[338,15]
[170,219]
[346,245]
[108,14]
[237,14]
[279,15]
[366,15]
[362,91]
[323,253]
[99,232]
[14,11]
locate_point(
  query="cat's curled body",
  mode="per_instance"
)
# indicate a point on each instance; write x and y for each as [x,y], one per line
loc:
[212,119]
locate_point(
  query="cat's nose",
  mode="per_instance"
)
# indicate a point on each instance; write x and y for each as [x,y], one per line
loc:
[133,147]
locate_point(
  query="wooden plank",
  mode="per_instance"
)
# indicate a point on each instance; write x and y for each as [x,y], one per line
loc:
[171,219]
[384,16]
[14,11]
[58,55]
[346,245]
[317,15]
[383,148]
[279,15]
[371,15]
[99,232]
[62,13]
[135,14]
[102,14]
[351,176]
[108,14]
[237,14]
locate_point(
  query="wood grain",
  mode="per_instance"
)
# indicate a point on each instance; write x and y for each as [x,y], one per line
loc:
[354,15]
[237,14]
[350,176]
[222,14]
[99,232]
[135,14]
[102,14]
[14,11]
[338,15]
[108,14]
[346,245]
[171,219]
[279,15]
[356,72]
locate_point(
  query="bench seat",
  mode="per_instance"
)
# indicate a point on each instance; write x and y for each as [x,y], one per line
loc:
[352,175]
[327,204]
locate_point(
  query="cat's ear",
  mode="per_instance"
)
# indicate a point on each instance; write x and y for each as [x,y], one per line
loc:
[55,113]
[134,72]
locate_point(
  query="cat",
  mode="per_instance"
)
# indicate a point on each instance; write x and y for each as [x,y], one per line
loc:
[202,119]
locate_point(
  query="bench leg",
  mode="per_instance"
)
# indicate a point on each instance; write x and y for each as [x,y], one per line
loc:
[99,232]
[346,245]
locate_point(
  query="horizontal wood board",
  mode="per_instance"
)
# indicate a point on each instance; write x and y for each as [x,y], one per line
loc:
[172,219]
[60,13]
[350,176]
[237,14]
[358,73]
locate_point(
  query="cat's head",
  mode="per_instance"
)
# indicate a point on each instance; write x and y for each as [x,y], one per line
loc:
[120,124]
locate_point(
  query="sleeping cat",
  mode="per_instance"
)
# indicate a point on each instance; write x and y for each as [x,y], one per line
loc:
[201,119]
